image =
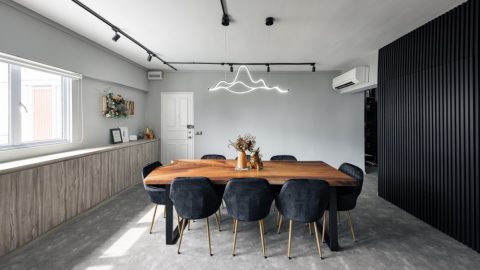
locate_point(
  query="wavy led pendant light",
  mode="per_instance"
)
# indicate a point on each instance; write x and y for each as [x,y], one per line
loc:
[248,87]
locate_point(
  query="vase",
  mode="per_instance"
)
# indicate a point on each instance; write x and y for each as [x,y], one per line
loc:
[241,160]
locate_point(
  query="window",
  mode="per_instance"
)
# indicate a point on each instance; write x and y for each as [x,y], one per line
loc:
[35,104]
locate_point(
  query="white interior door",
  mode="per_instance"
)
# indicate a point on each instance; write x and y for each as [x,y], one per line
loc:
[177,134]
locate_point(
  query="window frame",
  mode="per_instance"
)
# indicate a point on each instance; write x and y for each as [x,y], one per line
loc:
[15,65]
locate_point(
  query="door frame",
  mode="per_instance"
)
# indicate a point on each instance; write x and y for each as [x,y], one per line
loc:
[162,130]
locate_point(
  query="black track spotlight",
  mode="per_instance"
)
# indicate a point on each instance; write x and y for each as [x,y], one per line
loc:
[269,21]
[116,36]
[149,58]
[231,68]
[225,20]
[313,68]
[268,67]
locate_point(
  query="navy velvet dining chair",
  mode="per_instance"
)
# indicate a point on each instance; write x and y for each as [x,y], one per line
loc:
[347,196]
[156,193]
[213,156]
[283,157]
[194,198]
[276,188]
[248,199]
[305,201]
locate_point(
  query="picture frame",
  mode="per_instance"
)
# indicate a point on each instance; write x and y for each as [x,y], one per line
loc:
[115,136]
[124,133]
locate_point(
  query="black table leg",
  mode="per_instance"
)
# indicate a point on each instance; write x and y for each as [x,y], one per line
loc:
[331,234]
[171,234]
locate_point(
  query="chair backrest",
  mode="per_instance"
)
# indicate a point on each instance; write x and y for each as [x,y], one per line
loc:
[303,200]
[213,156]
[248,199]
[149,168]
[356,173]
[194,197]
[283,157]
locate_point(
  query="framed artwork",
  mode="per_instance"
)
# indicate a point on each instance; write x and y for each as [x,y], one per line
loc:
[116,135]
[130,107]
[124,132]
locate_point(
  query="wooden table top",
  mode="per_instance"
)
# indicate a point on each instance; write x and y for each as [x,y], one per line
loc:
[276,172]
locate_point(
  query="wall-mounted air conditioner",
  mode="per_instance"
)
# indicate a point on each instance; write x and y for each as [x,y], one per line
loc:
[155,75]
[351,78]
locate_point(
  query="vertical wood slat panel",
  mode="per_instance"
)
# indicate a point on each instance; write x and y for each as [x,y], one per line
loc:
[428,96]
[34,201]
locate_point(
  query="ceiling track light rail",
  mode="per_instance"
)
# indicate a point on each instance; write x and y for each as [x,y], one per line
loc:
[231,64]
[118,31]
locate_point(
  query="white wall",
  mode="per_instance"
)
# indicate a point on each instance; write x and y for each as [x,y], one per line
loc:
[311,121]
[28,35]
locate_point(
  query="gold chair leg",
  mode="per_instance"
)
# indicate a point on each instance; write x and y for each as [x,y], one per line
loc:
[351,226]
[235,227]
[209,242]
[277,219]
[310,228]
[323,229]
[262,232]
[318,242]
[218,222]
[182,229]
[220,215]
[280,224]
[153,219]
[290,240]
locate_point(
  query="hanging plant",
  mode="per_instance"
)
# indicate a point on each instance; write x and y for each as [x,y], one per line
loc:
[114,106]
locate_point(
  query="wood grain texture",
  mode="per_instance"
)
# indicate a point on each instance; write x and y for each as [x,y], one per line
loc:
[276,172]
[33,201]
[18,211]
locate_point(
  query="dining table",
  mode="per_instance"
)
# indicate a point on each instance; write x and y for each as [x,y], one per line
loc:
[275,172]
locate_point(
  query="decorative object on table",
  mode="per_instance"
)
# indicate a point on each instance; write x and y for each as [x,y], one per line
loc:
[115,135]
[115,106]
[256,160]
[240,87]
[133,137]
[148,134]
[124,131]
[242,144]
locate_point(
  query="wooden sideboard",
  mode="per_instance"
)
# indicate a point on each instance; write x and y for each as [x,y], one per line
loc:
[41,193]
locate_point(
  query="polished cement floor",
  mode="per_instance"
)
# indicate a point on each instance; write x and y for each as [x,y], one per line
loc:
[115,235]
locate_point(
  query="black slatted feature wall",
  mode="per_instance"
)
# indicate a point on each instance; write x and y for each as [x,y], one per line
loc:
[428,141]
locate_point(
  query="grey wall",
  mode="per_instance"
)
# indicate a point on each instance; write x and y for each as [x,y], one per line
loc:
[28,35]
[60,48]
[311,121]
[95,131]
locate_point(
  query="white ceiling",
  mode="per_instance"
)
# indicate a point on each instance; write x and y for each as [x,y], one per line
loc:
[328,32]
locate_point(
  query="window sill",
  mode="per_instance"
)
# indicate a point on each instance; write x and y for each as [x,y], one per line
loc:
[34,144]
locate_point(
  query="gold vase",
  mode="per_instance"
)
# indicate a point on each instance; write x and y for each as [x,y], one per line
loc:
[242,160]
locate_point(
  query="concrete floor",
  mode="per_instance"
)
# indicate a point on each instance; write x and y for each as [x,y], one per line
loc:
[115,236]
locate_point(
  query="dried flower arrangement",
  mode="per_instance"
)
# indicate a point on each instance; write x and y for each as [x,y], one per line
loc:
[243,143]
[115,106]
